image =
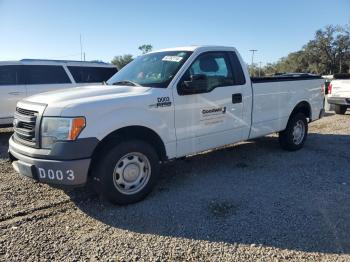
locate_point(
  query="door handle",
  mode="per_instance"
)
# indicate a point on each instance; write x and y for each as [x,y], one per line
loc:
[14,93]
[237,98]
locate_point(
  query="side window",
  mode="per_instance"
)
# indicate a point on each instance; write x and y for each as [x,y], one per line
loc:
[91,74]
[45,74]
[209,71]
[10,75]
[237,70]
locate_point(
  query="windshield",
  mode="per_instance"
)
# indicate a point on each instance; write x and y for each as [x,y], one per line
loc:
[153,70]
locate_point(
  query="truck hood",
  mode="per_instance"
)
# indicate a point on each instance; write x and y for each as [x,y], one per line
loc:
[74,95]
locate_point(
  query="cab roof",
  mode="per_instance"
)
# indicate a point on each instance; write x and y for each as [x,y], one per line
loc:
[193,48]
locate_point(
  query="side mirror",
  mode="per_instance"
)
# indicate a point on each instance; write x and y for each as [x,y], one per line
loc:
[197,84]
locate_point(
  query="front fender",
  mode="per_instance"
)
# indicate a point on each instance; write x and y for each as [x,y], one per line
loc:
[159,120]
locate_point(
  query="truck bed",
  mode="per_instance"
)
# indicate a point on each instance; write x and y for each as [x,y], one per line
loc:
[284,78]
[275,97]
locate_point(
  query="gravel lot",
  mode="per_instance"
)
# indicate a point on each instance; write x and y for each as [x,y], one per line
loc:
[248,202]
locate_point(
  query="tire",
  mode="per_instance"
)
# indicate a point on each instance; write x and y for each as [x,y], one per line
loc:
[126,171]
[339,109]
[294,136]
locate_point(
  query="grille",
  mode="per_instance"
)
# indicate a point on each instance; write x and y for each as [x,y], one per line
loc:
[26,112]
[24,126]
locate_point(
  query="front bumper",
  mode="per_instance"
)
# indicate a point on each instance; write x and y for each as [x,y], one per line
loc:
[339,101]
[47,168]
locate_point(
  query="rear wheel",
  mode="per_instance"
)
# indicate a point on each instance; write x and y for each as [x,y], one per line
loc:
[127,172]
[294,136]
[339,109]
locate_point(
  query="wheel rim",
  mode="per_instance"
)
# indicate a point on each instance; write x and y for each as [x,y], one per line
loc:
[131,173]
[298,132]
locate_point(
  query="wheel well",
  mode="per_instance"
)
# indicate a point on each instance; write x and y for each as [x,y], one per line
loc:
[303,107]
[133,132]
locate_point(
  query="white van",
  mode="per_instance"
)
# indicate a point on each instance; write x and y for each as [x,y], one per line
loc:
[19,79]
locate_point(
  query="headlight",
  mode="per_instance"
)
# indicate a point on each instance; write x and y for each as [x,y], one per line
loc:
[60,129]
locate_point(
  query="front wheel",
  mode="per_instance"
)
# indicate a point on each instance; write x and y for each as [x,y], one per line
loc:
[294,136]
[340,109]
[127,172]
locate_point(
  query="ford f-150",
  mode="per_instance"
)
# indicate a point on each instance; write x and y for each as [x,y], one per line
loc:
[162,106]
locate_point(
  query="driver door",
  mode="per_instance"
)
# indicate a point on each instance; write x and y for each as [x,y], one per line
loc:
[208,104]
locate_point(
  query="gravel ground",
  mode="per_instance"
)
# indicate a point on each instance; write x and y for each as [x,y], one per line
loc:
[247,202]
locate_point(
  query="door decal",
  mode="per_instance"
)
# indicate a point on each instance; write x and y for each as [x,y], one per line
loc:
[212,116]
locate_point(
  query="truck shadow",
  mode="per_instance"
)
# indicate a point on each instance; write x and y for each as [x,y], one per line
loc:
[251,193]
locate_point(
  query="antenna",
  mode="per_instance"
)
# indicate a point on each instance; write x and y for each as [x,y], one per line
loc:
[81,49]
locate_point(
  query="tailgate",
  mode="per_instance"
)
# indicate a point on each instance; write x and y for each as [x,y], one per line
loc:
[340,88]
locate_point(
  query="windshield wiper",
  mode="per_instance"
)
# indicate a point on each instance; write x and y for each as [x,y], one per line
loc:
[126,82]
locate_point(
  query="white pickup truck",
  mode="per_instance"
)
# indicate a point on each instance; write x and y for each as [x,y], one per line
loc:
[339,93]
[162,106]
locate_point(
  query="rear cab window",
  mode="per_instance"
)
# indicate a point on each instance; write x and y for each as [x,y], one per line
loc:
[237,71]
[91,74]
[45,74]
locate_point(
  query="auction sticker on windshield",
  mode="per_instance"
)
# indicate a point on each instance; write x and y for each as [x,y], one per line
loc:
[172,58]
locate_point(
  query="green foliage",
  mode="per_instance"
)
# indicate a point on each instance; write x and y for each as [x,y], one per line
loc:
[145,48]
[121,60]
[256,71]
[327,53]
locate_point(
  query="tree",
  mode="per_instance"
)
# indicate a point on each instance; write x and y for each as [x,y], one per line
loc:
[342,43]
[122,60]
[145,48]
[327,53]
[256,70]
